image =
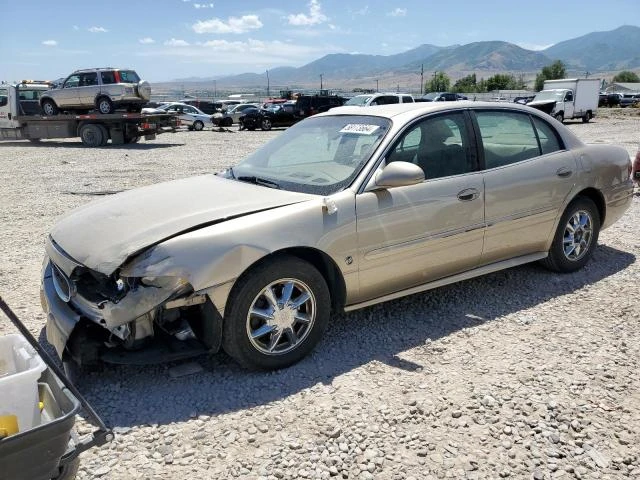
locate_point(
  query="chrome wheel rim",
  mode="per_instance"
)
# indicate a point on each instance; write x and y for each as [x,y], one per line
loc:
[48,108]
[578,234]
[281,316]
[104,107]
[198,126]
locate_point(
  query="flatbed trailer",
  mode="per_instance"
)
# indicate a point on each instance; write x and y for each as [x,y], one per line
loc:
[21,118]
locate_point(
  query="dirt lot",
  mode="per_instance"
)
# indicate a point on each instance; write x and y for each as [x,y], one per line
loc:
[522,374]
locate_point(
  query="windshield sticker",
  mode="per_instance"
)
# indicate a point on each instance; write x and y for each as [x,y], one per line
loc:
[360,128]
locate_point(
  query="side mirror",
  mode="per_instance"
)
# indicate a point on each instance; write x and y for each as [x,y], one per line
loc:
[398,174]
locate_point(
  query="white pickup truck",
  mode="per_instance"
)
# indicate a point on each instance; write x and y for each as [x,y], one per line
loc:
[21,118]
[568,98]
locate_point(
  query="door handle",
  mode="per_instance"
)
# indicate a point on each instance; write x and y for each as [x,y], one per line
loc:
[564,172]
[468,194]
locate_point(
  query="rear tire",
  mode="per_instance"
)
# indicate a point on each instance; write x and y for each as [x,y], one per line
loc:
[265,124]
[586,117]
[49,108]
[104,105]
[576,237]
[559,117]
[227,122]
[91,135]
[276,314]
[198,125]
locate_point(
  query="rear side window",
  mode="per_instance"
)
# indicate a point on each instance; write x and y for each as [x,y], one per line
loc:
[549,140]
[507,137]
[88,79]
[108,77]
[407,99]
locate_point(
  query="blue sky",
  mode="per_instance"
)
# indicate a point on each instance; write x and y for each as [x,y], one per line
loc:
[168,39]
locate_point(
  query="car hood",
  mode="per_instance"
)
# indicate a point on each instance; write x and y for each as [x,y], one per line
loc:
[546,106]
[103,234]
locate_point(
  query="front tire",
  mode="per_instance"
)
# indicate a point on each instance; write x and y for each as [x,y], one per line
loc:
[265,124]
[276,314]
[559,116]
[576,237]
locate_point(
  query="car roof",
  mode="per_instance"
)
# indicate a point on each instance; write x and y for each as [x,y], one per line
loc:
[409,110]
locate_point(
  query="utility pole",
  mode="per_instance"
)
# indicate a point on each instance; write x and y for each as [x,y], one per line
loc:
[321,80]
[215,90]
[377,90]
[268,94]
[421,78]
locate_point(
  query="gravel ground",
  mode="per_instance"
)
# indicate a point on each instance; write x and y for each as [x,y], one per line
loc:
[523,373]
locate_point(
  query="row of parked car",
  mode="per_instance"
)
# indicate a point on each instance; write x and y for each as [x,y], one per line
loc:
[619,99]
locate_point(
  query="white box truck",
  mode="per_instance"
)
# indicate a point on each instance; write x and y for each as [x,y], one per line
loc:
[568,98]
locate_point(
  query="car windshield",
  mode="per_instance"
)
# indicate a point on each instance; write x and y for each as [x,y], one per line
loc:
[358,101]
[431,96]
[129,76]
[320,155]
[548,95]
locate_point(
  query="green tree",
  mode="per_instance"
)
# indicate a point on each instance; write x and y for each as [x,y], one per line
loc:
[439,83]
[504,82]
[626,76]
[466,84]
[550,72]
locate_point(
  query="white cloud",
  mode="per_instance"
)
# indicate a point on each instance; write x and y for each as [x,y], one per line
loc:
[398,12]
[363,11]
[533,46]
[233,25]
[50,43]
[202,5]
[76,27]
[251,54]
[176,43]
[147,41]
[314,17]
[97,30]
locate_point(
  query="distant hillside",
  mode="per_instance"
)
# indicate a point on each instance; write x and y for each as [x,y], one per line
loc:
[598,51]
[613,50]
[491,56]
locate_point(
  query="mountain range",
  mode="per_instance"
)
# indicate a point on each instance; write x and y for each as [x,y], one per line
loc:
[594,52]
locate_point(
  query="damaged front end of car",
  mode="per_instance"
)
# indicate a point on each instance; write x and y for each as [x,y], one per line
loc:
[94,317]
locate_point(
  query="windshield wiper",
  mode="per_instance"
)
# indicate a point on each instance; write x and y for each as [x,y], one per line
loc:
[258,181]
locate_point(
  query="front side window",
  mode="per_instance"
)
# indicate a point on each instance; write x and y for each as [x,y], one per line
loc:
[439,145]
[4,97]
[507,137]
[319,155]
[72,81]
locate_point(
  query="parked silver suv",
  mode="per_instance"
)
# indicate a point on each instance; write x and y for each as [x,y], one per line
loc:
[103,89]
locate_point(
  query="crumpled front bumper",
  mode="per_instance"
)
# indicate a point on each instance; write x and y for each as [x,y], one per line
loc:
[61,319]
